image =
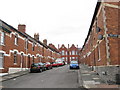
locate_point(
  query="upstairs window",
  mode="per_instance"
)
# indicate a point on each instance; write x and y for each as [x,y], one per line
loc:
[63,53]
[33,47]
[73,52]
[16,39]
[2,38]
[26,44]
[66,53]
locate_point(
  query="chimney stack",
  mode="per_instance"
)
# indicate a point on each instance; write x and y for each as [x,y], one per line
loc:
[22,28]
[45,41]
[68,46]
[36,36]
[58,46]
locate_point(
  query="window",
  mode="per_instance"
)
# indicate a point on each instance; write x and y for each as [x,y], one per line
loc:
[33,59]
[66,59]
[33,46]
[73,58]
[26,44]
[38,47]
[1,60]
[63,58]
[38,58]
[66,53]
[76,53]
[15,57]
[16,39]
[2,38]
[63,52]
[73,52]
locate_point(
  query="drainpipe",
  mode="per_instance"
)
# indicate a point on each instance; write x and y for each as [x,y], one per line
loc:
[26,56]
[106,35]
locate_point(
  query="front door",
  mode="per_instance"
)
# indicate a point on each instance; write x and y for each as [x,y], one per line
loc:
[28,61]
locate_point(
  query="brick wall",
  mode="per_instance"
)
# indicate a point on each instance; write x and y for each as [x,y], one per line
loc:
[103,53]
[25,56]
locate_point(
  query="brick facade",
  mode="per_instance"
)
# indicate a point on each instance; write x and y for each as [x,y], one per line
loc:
[69,53]
[20,50]
[102,45]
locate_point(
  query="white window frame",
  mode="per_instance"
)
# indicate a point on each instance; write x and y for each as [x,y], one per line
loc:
[16,39]
[2,38]
[2,58]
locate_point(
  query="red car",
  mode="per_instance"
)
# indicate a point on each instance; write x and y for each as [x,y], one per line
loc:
[48,65]
[55,64]
[60,63]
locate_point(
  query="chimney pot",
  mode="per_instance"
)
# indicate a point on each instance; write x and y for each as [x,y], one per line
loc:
[45,41]
[36,36]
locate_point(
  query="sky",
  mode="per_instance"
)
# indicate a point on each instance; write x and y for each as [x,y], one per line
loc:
[58,21]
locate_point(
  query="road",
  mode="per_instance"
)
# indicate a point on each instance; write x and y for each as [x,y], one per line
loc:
[60,77]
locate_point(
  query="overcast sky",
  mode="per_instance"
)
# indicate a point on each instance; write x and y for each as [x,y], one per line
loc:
[58,21]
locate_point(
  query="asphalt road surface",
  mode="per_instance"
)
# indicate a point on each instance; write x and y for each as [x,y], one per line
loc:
[60,77]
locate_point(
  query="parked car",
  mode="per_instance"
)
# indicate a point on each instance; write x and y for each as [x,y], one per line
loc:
[74,65]
[35,67]
[55,64]
[60,63]
[48,65]
[43,66]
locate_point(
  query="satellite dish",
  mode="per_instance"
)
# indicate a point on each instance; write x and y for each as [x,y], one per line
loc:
[98,29]
[100,37]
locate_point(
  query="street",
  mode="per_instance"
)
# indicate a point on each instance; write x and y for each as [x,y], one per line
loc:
[60,77]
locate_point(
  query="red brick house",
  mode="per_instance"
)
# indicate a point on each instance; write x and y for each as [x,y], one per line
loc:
[101,49]
[69,53]
[18,50]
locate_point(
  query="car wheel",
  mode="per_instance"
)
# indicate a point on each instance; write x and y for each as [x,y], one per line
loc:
[44,69]
[40,70]
[30,71]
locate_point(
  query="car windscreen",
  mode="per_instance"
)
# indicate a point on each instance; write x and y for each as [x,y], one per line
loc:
[35,64]
[41,64]
[74,62]
[54,62]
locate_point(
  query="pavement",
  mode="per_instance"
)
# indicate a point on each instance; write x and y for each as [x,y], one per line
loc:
[90,79]
[13,75]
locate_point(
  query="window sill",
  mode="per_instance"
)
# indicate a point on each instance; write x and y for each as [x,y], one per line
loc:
[2,44]
[16,44]
[15,63]
[99,60]
[1,68]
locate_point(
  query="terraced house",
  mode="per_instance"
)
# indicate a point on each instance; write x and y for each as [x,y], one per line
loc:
[18,50]
[69,53]
[101,49]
